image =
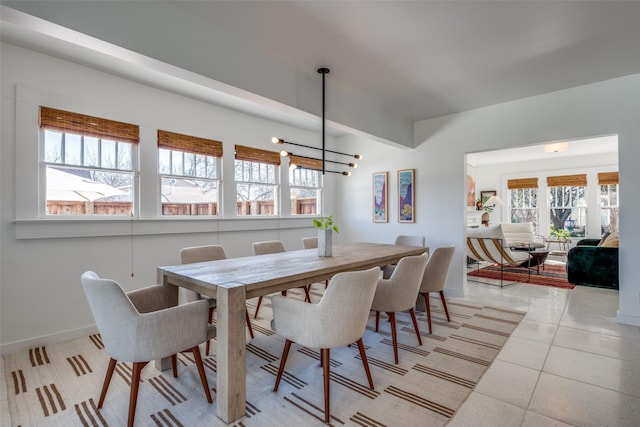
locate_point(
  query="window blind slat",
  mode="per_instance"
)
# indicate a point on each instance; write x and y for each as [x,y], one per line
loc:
[256,155]
[192,144]
[513,184]
[608,178]
[567,180]
[306,162]
[67,121]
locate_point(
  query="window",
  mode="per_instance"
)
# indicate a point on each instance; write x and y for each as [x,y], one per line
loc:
[189,174]
[88,164]
[256,175]
[609,204]
[304,185]
[568,204]
[523,196]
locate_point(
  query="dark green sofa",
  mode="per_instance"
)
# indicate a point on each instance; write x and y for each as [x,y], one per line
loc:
[593,265]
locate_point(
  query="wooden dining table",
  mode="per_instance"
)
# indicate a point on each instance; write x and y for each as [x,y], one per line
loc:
[232,281]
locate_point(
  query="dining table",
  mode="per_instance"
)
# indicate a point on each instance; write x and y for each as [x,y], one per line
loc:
[232,281]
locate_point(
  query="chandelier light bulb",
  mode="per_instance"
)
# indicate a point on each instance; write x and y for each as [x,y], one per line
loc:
[284,153]
[277,140]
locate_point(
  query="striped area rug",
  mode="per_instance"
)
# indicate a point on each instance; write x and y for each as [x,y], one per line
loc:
[59,385]
[552,275]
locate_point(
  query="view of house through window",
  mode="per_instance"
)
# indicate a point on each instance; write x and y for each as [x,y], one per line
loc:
[609,204]
[87,175]
[523,201]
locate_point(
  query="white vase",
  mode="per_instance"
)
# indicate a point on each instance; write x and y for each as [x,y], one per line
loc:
[325,242]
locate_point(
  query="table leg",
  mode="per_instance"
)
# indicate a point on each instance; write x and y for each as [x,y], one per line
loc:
[171,295]
[231,387]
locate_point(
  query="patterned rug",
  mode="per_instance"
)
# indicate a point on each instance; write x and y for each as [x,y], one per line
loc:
[59,385]
[552,275]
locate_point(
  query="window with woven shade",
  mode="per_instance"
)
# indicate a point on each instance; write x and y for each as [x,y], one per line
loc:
[305,185]
[89,164]
[256,177]
[523,200]
[609,202]
[568,204]
[189,168]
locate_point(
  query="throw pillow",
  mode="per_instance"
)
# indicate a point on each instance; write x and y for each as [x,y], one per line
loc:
[612,241]
[604,238]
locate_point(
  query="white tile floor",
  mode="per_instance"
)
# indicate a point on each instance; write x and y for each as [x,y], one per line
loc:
[568,363]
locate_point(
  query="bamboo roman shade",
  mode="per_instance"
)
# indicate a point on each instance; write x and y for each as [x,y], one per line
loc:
[191,144]
[607,178]
[567,180]
[66,121]
[513,184]
[306,162]
[251,154]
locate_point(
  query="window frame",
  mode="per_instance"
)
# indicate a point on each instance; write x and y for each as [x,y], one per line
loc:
[318,189]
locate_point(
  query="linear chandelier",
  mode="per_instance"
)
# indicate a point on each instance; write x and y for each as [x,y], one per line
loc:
[303,162]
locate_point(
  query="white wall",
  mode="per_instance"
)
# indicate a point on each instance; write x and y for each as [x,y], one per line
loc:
[604,108]
[41,299]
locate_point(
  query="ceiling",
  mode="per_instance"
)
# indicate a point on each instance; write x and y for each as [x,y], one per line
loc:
[415,60]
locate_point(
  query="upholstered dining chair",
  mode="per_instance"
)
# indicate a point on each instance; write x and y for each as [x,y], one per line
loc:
[273,247]
[205,253]
[338,320]
[399,293]
[405,240]
[434,278]
[137,327]
[311,243]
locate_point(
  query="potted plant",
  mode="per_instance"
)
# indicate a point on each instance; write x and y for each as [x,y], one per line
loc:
[562,234]
[325,227]
[480,205]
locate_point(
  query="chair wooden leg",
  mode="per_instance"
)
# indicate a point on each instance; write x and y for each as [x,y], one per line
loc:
[107,381]
[135,385]
[203,376]
[174,365]
[326,284]
[307,296]
[255,316]
[283,361]
[444,304]
[415,324]
[246,313]
[377,320]
[428,309]
[326,362]
[365,362]
[394,337]
[211,309]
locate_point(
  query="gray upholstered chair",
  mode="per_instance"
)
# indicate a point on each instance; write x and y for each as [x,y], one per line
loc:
[309,242]
[399,293]
[273,247]
[435,277]
[405,240]
[137,327]
[338,320]
[202,254]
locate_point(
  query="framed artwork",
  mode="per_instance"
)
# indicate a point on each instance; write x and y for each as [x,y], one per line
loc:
[484,195]
[471,191]
[380,196]
[406,195]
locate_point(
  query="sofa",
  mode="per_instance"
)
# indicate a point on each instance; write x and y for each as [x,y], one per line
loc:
[594,262]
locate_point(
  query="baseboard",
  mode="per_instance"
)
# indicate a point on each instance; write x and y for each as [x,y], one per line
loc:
[47,340]
[625,319]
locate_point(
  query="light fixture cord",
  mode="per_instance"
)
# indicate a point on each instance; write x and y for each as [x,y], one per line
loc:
[323,71]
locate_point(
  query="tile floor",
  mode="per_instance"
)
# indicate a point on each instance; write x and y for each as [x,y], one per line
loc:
[567,363]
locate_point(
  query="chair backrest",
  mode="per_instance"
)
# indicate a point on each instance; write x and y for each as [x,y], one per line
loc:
[345,306]
[309,242]
[114,314]
[410,240]
[202,253]
[435,274]
[199,254]
[268,247]
[406,280]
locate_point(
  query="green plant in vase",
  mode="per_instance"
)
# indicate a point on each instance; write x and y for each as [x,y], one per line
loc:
[325,227]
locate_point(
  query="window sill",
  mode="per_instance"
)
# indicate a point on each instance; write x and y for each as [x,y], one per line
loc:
[63,228]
